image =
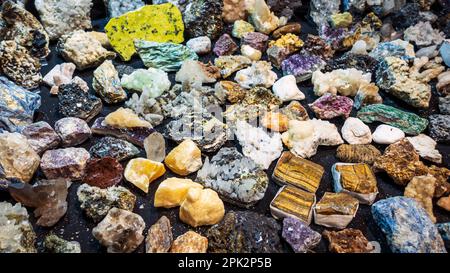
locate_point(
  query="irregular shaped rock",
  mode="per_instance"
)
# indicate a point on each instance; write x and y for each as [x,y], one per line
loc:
[259,74]
[230,64]
[421,188]
[237,231]
[190,242]
[262,18]
[173,191]
[201,207]
[364,63]
[16,232]
[330,106]
[120,231]
[354,131]
[320,10]
[314,45]
[60,74]
[290,42]
[440,128]
[407,227]
[96,202]
[256,40]
[119,7]
[284,8]
[72,131]
[293,202]
[299,236]
[155,147]
[234,10]
[204,18]
[65,163]
[125,118]
[444,230]
[277,55]
[41,136]
[185,158]
[339,20]
[106,83]
[233,91]
[302,66]
[444,51]
[113,147]
[294,28]
[340,38]
[367,94]
[200,45]
[241,27]
[423,34]
[195,72]
[441,174]
[159,236]
[444,105]
[251,53]
[425,146]
[74,102]
[348,241]
[286,89]
[225,45]
[103,172]
[444,202]
[141,172]
[346,82]
[357,153]
[55,244]
[335,210]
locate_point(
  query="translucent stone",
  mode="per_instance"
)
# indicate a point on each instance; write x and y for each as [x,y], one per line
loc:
[172,192]
[201,207]
[184,159]
[141,172]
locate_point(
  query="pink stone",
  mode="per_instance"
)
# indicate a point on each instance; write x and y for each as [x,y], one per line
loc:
[331,106]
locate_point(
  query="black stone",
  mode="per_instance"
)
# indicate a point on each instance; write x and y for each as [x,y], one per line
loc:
[74,102]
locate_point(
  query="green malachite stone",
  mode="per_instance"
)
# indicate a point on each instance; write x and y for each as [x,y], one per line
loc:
[407,122]
[165,56]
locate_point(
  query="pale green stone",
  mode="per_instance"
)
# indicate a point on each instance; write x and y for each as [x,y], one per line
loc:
[156,80]
[241,27]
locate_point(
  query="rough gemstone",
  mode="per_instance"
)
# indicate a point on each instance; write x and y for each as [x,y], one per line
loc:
[444,202]
[314,45]
[195,72]
[320,10]
[234,10]
[330,106]
[421,188]
[284,8]
[172,192]
[201,207]
[155,147]
[55,244]
[340,38]
[241,27]
[440,128]
[263,19]
[407,227]
[385,134]
[346,82]
[425,146]
[41,136]
[290,42]
[204,18]
[357,153]
[16,232]
[335,210]
[293,202]
[125,118]
[367,94]
[60,74]
[200,45]
[364,63]
[277,55]
[348,241]
[256,40]
[65,163]
[72,131]
[185,158]
[286,89]
[74,102]
[159,236]
[251,53]
[106,83]
[103,172]
[152,81]
[299,236]
[339,20]
[141,172]
[230,64]
[302,66]
[354,131]
[294,28]
[225,46]
[258,74]
[190,242]
[113,147]
[423,34]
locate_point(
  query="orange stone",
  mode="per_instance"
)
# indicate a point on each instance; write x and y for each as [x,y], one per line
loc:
[141,172]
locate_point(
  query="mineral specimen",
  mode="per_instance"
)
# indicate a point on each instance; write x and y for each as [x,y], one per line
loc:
[258,74]
[364,63]
[65,163]
[165,56]
[258,145]
[113,147]
[355,179]
[155,147]
[348,241]
[159,236]
[241,27]
[141,172]
[385,134]
[256,40]
[294,28]
[357,153]
[190,242]
[119,7]
[299,236]
[407,227]
[120,231]
[425,146]
[55,244]
[125,118]
[184,159]
[401,162]
[293,202]
[204,18]
[201,207]
[275,121]
[237,178]
[421,188]
[423,34]
[17,157]
[302,66]
[339,20]
[195,72]
[286,89]
[441,174]
[444,202]
[277,55]
[17,105]
[290,42]
[16,232]
[444,105]
[103,172]
[172,192]
[335,210]
[74,102]
[354,131]
[251,53]
[367,94]
[200,45]
[156,23]
[407,122]
[41,136]
[284,8]
[445,52]
[234,10]
[440,128]
[151,82]
[330,106]
[444,230]
[72,131]
[60,74]
[18,65]
[233,91]
[83,50]
[262,18]
[320,10]
[96,202]
[225,46]
[390,49]
[237,231]
[314,45]
[106,83]
[340,38]
[62,17]
[230,64]
[48,197]
[343,81]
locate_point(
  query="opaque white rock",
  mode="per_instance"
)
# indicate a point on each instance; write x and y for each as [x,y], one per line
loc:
[385,134]
[200,45]
[355,131]
[286,89]
[360,47]
[426,147]
[251,53]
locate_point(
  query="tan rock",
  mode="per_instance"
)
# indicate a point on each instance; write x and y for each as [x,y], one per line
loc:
[234,10]
[172,192]
[421,188]
[184,159]
[444,203]
[201,207]
[125,118]
[190,242]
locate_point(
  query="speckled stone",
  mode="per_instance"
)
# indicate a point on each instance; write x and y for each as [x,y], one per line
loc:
[41,136]
[72,131]
[114,147]
[330,106]
[65,163]
[440,128]
[299,236]
[225,45]
[302,66]
[74,102]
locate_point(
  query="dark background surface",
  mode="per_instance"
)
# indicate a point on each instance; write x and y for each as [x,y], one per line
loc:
[76,226]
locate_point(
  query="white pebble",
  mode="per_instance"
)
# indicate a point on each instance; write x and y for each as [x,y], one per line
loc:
[286,89]
[385,134]
[200,45]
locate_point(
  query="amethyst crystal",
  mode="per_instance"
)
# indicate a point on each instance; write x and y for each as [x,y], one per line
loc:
[41,136]
[225,45]
[73,131]
[299,236]
[256,40]
[302,66]
[338,38]
[331,106]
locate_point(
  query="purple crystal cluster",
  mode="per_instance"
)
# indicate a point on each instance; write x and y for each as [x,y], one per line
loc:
[331,106]
[299,236]
[334,36]
[302,66]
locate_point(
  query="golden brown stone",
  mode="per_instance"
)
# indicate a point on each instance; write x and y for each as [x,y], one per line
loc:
[357,153]
[275,121]
[444,203]
[190,242]
[337,203]
[233,91]
[234,10]
[357,178]
[141,172]
[125,118]
[421,188]
[348,241]
[184,159]
[293,202]
[294,28]
[172,192]
[201,207]
[441,174]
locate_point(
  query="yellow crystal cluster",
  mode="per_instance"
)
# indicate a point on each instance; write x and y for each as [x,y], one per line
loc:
[290,42]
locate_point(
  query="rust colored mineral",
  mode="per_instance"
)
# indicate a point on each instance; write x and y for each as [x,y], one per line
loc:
[103,172]
[348,241]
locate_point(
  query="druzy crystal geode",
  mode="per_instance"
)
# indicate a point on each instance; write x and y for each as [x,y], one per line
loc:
[16,232]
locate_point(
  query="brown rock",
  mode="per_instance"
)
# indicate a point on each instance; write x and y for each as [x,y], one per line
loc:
[65,163]
[422,188]
[294,28]
[357,153]
[233,91]
[155,147]
[275,121]
[234,10]
[41,136]
[159,237]
[314,45]
[348,241]
[73,131]
[256,40]
[103,172]
[444,203]
[190,242]
[441,174]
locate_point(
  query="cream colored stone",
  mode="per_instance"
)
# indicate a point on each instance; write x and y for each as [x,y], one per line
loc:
[286,89]
[355,131]
[251,53]
[184,159]
[345,82]
[172,192]
[426,147]
[125,118]
[421,188]
[201,207]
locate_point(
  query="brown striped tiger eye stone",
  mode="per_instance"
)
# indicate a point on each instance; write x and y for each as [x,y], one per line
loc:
[294,202]
[357,153]
[337,203]
[298,172]
[357,178]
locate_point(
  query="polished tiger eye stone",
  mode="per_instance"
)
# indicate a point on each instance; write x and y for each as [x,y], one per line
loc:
[298,172]
[357,178]
[337,203]
[292,201]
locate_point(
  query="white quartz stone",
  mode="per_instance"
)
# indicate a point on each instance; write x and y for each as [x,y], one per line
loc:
[385,134]
[286,89]
[355,131]
[251,53]
[195,72]
[200,45]
[346,82]
[360,47]
[259,74]
[426,147]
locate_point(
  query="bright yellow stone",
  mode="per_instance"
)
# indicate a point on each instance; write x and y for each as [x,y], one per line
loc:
[290,42]
[172,192]
[201,207]
[125,118]
[141,172]
[184,159]
[157,23]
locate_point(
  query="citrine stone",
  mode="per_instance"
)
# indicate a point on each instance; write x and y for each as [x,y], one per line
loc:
[357,178]
[298,172]
[184,159]
[293,202]
[141,172]
[337,204]
[125,118]
[157,23]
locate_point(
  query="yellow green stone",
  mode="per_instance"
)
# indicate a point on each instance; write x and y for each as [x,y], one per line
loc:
[157,23]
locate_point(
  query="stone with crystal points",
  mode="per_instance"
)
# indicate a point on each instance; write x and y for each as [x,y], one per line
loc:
[357,153]
[190,242]
[173,191]
[74,102]
[165,56]
[201,207]
[185,158]
[407,226]
[354,131]
[141,172]
[302,66]
[55,244]
[440,128]
[340,38]
[16,232]
[256,40]
[60,74]
[259,74]
[225,46]
[47,197]
[290,42]
[119,7]
[196,72]
[293,202]
[17,64]
[320,10]
[238,179]
[401,162]
[385,134]
[65,163]
[426,147]
[364,63]
[159,236]
[156,23]
[237,231]
[407,122]
[72,131]
[299,236]
[241,27]
[113,147]
[286,89]
[348,241]
[263,19]
[251,53]
[200,45]
[103,172]
[83,50]
[106,83]
[62,17]
[330,106]
[120,231]
[230,64]
[367,94]
[153,81]
[155,147]
[41,136]
[423,34]
[335,210]
[204,18]
[17,157]
[96,202]
[17,105]
[233,91]
[346,82]
[388,49]
[421,188]
[314,45]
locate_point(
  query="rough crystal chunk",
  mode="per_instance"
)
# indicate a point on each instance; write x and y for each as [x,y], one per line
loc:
[190,242]
[421,188]
[335,210]
[106,83]
[41,136]
[74,102]
[348,241]
[184,159]
[16,232]
[55,244]
[113,147]
[204,18]
[302,66]
[72,131]
[201,207]
[141,172]
[331,106]
[230,64]
[426,147]
[346,82]
[65,163]
[172,192]
[440,128]
[299,236]
[225,45]
[354,131]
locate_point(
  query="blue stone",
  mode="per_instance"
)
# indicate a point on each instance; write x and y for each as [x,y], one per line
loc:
[444,230]
[407,226]
[445,53]
[388,49]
